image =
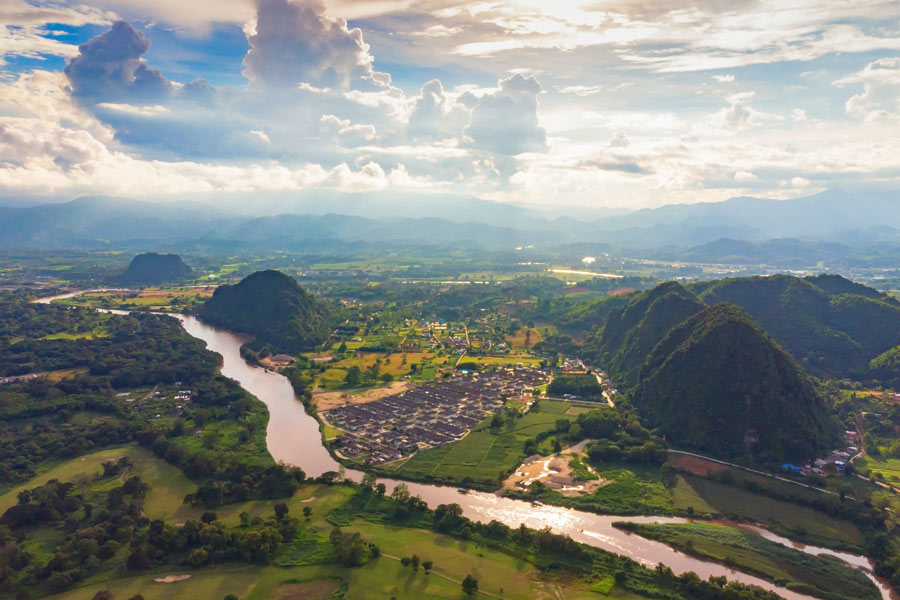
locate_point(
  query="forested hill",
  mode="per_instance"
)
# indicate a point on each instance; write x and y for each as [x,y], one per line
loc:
[718,383]
[832,326]
[274,309]
[152,268]
[632,331]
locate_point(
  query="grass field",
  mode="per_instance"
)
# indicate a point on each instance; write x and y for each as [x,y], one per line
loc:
[483,456]
[825,577]
[146,299]
[525,337]
[794,520]
[96,332]
[169,486]
[888,467]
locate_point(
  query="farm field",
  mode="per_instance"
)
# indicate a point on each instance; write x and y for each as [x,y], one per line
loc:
[794,520]
[824,577]
[525,337]
[164,299]
[888,467]
[482,456]
[504,360]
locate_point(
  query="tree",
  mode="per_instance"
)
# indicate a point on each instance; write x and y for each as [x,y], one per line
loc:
[208,516]
[427,564]
[380,489]
[198,557]
[401,493]
[469,585]
[281,510]
[369,480]
[414,562]
[307,511]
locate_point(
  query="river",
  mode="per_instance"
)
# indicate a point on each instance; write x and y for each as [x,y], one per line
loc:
[293,438]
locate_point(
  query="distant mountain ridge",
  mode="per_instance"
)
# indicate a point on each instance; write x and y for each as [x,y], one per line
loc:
[840,227]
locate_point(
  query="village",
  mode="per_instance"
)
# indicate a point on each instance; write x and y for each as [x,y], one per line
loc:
[427,416]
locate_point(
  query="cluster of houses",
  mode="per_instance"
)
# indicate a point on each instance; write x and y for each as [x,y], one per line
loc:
[426,416]
[835,462]
[573,365]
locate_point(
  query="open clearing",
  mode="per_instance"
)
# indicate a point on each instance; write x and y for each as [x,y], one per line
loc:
[336,399]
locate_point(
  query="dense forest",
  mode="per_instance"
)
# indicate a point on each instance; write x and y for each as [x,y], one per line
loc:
[710,378]
[832,326]
[718,383]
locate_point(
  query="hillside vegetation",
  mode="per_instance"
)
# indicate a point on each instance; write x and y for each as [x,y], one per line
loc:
[274,309]
[717,382]
[832,326]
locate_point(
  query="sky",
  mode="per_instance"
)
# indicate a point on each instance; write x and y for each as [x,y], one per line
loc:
[566,105]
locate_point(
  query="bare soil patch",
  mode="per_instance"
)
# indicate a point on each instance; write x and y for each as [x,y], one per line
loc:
[554,472]
[330,400]
[696,465]
[172,578]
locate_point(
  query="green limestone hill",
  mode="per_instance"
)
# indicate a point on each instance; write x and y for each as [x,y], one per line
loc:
[273,308]
[716,382]
[153,268]
[886,367]
[831,325]
[631,332]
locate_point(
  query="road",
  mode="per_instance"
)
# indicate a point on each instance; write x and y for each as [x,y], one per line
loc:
[606,394]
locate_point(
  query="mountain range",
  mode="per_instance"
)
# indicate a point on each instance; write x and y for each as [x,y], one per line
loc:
[836,227]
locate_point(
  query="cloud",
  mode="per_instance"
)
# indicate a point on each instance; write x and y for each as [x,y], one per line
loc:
[881,89]
[25,29]
[435,115]
[45,159]
[620,140]
[109,67]
[506,121]
[740,115]
[295,43]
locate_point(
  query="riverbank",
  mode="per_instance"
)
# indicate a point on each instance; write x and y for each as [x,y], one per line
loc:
[821,576]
